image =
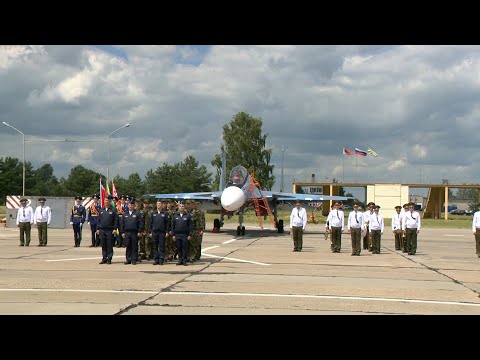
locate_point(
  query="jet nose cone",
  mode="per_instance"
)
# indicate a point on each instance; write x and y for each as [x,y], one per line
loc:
[232,198]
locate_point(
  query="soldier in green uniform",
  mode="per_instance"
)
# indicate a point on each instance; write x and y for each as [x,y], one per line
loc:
[192,245]
[170,247]
[201,227]
[145,246]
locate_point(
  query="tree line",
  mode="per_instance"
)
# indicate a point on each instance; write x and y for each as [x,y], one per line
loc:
[243,141]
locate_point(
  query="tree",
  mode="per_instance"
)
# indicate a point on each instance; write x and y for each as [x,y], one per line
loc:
[244,145]
[11,177]
[180,177]
[81,181]
[299,190]
[132,186]
[44,182]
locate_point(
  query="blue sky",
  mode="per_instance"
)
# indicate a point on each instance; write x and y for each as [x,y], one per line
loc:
[416,106]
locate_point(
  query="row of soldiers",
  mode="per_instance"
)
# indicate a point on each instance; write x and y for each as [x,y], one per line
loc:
[164,232]
[405,226]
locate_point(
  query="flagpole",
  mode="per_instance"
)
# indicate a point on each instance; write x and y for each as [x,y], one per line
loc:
[356,170]
[343,168]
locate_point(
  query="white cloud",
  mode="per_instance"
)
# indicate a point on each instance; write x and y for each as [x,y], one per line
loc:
[415,101]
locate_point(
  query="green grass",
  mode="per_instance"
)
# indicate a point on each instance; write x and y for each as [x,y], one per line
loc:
[454,221]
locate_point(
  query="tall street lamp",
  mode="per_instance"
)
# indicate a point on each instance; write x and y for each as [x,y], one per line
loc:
[281,184]
[109,135]
[14,128]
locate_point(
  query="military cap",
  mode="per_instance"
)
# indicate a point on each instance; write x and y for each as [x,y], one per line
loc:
[398,207]
[123,197]
[337,202]
[376,207]
[110,197]
[22,200]
[95,196]
[42,199]
[78,197]
[411,203]
[298,202]
[371,203]
[405,205]
[356,203]
[113,197]
[132,201]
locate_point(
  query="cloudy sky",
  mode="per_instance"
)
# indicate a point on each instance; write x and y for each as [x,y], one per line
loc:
[416,106]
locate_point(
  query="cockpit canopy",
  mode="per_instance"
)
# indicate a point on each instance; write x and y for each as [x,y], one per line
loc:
[238,176]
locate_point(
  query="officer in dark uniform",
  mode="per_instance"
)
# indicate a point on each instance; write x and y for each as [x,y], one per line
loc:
[93,212]
[130,229]
[107,224]
[159,228]
[77,219]
[182,233]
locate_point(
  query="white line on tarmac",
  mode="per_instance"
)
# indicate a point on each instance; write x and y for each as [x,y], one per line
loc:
[325,297]
[208,248]
[454,235]
[86,291]
[229,241]
[89,258]
[240,260]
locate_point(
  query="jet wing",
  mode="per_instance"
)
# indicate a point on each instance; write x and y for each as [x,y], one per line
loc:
[188,196]
[303,197]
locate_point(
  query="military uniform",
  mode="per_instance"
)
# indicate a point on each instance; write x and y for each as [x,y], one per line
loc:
[107,223]
[77,220]
[159,228]
[42,218]
[170,246]
[25,217]
[130,228]
[182,231]
[376,229]
[397,227]
[93,212]
[200,226]
[145,251]
[476,231]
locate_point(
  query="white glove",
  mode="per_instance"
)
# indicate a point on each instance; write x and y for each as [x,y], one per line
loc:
[81,224]
[71,223]
[88,223]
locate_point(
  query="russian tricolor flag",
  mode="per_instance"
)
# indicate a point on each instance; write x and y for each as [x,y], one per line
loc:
[360,152]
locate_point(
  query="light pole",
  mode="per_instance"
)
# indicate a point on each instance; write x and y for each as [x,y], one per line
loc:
[109,135]
[14,128]
[281,184]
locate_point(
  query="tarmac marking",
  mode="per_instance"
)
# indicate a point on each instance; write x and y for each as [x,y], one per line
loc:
[86,291]
[229,241]
[324,297]
[234,259]
[208,248]
[454,235]
[89,258]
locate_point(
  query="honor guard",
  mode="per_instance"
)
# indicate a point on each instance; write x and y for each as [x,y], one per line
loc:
[25,218]
[131,229]
[42,218]
[476,231]
[397,227]
[159,228]
[93,211]
[199,227]
[145,248]
[355,227]
[377,227]
[336,224]
[182,233]
[77,219]
[106,228]
[411,226]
